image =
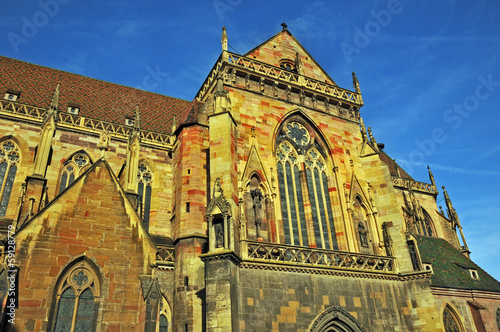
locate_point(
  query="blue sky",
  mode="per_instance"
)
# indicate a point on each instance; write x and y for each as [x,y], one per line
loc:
[429,72]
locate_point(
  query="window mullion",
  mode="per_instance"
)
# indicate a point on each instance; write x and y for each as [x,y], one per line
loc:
[324,192]
[297,213]
[75,310]
[290,222]
[316,201]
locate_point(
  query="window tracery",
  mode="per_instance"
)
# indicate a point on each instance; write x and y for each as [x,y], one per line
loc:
[302,177]
[77,299]
[450,320]
[9,162]
[72,169]
[164,313]
[145,180]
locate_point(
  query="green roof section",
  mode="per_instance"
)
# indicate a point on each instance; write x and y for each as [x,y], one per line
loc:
[451,268]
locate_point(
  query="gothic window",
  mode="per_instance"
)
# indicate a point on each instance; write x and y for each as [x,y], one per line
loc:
[73,168]
[320,199]
[288,65]
[164,314]
[298,161]
[427,224]
[145,180]
[77,299]
[335,319]
[292,202]
[9,162]
[451,321]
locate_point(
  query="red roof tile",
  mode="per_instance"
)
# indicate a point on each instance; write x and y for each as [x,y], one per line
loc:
[97,99]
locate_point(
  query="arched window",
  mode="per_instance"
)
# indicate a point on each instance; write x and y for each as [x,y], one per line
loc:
[164,315]
[9,162]
[302,179]
[320,199]
[427,226]
[73,168]
[145,180]
[77,296]
[451,321]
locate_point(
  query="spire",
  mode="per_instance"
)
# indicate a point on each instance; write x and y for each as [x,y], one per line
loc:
[431,177]
[174,125]
[224,39]
[355,83]
[453,216]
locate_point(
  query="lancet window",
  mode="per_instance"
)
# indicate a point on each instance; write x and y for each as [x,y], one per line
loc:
[164,314]
[77,297]
[426,224]
[145,181]
[9,162]
[73,168]
[303,179]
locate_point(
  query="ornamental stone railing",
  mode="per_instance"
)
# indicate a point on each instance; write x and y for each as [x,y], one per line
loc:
[278,74]
[414,185]
[35,114]
[285,254]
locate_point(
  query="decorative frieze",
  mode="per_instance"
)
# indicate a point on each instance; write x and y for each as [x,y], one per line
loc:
[414,185]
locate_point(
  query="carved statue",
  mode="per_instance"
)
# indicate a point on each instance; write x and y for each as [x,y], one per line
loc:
[257,205]
[219,235]
[363,235]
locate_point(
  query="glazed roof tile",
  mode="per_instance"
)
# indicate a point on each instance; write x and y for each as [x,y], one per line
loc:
[97,99]
[451,268]
[394,167]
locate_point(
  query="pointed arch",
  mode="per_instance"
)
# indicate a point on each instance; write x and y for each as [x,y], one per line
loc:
[144,189]
[427,228]
[73,167]
[165,316]
[10,159]
[303,165]
[335,319]
[451,320]
[76,297]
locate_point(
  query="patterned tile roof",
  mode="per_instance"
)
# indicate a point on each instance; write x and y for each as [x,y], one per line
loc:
[97,99]
[451,268]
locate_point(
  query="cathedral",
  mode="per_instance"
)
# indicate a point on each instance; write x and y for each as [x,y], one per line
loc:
[264,204]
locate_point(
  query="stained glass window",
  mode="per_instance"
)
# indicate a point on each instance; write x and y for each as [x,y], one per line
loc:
[9,162]
[78,289]
[145,180]
[450,321]
[73,168]
[302,176]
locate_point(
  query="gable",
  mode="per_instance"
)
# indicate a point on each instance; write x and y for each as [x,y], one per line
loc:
[92,217]
[284,46]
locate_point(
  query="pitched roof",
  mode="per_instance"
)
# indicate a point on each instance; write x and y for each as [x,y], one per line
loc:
[394,168]
[97,99]
[451,268]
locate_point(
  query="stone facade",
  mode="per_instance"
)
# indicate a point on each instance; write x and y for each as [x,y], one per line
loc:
[263,205]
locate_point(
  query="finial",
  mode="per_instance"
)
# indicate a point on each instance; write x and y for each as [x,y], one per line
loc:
[224,39]
[431,176]
[284,26]
[54,103]
[174,124]
[355,83]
